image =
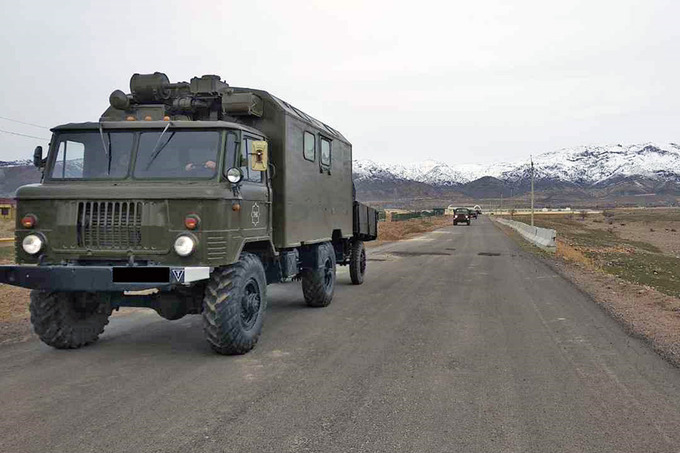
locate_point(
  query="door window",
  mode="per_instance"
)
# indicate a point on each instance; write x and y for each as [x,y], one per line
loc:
[70,160]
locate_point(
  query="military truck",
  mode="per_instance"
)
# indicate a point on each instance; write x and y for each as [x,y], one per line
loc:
[461,215]
[187,198]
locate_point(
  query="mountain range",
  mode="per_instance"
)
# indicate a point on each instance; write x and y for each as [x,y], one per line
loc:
[585,173]
[647,173]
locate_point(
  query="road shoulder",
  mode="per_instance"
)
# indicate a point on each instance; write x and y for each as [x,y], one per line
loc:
[642,311]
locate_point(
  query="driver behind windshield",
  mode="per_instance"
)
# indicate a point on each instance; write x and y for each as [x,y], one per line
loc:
[208,165]
[177,153]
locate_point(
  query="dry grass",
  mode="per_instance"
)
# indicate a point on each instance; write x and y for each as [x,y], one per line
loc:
[572,254]
[6,253]
[397,231]
[6,228]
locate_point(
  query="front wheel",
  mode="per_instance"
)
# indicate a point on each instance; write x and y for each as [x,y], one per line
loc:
[318,283]
[68,320]
[234,303]
[357,262]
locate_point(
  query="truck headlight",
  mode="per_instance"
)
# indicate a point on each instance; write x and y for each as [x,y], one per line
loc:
[32,244]
[184,245]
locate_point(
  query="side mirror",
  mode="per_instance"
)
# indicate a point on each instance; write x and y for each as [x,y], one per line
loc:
[259,155]
[37,156]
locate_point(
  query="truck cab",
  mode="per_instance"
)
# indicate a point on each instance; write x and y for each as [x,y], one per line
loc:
[187,198]
[116,191]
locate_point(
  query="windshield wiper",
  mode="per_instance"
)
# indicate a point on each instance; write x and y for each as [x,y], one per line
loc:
[156,151]
[109,154]
[101,134]
[107,148]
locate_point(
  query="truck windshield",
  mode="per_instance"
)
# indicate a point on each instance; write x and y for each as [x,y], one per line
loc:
[177,154]
[92,155]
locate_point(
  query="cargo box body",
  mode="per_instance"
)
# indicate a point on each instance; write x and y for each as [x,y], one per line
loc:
[312,202]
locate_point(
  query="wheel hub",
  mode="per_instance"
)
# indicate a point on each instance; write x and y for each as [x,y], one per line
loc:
[250,304]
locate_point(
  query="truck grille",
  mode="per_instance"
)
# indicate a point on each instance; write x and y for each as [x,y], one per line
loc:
[113,225]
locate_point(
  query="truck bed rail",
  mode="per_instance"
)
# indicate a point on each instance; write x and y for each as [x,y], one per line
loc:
[365,222]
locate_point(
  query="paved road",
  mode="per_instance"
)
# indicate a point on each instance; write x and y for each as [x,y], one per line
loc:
[444,349]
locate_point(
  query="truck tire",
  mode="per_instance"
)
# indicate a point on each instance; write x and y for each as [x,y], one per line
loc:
[357,262]
[68,320]
[234,303]
[318,284]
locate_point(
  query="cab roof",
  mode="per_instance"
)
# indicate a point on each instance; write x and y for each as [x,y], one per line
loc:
[183,124]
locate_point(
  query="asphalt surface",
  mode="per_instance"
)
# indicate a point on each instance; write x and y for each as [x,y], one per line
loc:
[457,342]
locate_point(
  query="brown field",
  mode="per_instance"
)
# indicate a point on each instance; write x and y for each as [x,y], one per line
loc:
[397,231]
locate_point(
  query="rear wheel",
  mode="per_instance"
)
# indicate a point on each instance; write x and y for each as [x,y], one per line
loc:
[318,283]
[357,263]
[68,320]
[234,303]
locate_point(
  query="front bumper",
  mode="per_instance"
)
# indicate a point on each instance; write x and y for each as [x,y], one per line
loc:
[100,278]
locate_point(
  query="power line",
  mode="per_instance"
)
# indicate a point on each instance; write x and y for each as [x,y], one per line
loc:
[23,135]
[23,122]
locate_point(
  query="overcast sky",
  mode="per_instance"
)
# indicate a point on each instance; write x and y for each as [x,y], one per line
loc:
[457,81]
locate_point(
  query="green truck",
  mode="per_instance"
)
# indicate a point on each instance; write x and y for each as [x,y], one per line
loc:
[187,198]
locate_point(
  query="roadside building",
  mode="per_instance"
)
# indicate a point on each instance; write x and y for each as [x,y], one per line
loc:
[7,208]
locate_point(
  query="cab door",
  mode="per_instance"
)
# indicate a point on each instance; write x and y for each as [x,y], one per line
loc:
[255,192]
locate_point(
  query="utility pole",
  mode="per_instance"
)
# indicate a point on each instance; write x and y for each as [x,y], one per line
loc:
[532,191]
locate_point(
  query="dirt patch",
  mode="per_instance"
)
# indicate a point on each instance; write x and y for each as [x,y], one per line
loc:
[397,231]
[14,315]
[15,331]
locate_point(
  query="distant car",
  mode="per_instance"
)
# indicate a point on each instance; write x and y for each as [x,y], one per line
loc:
[461,215]
[473,213]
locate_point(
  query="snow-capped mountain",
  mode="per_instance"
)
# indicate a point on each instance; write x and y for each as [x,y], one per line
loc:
[583,165]
[15,163]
